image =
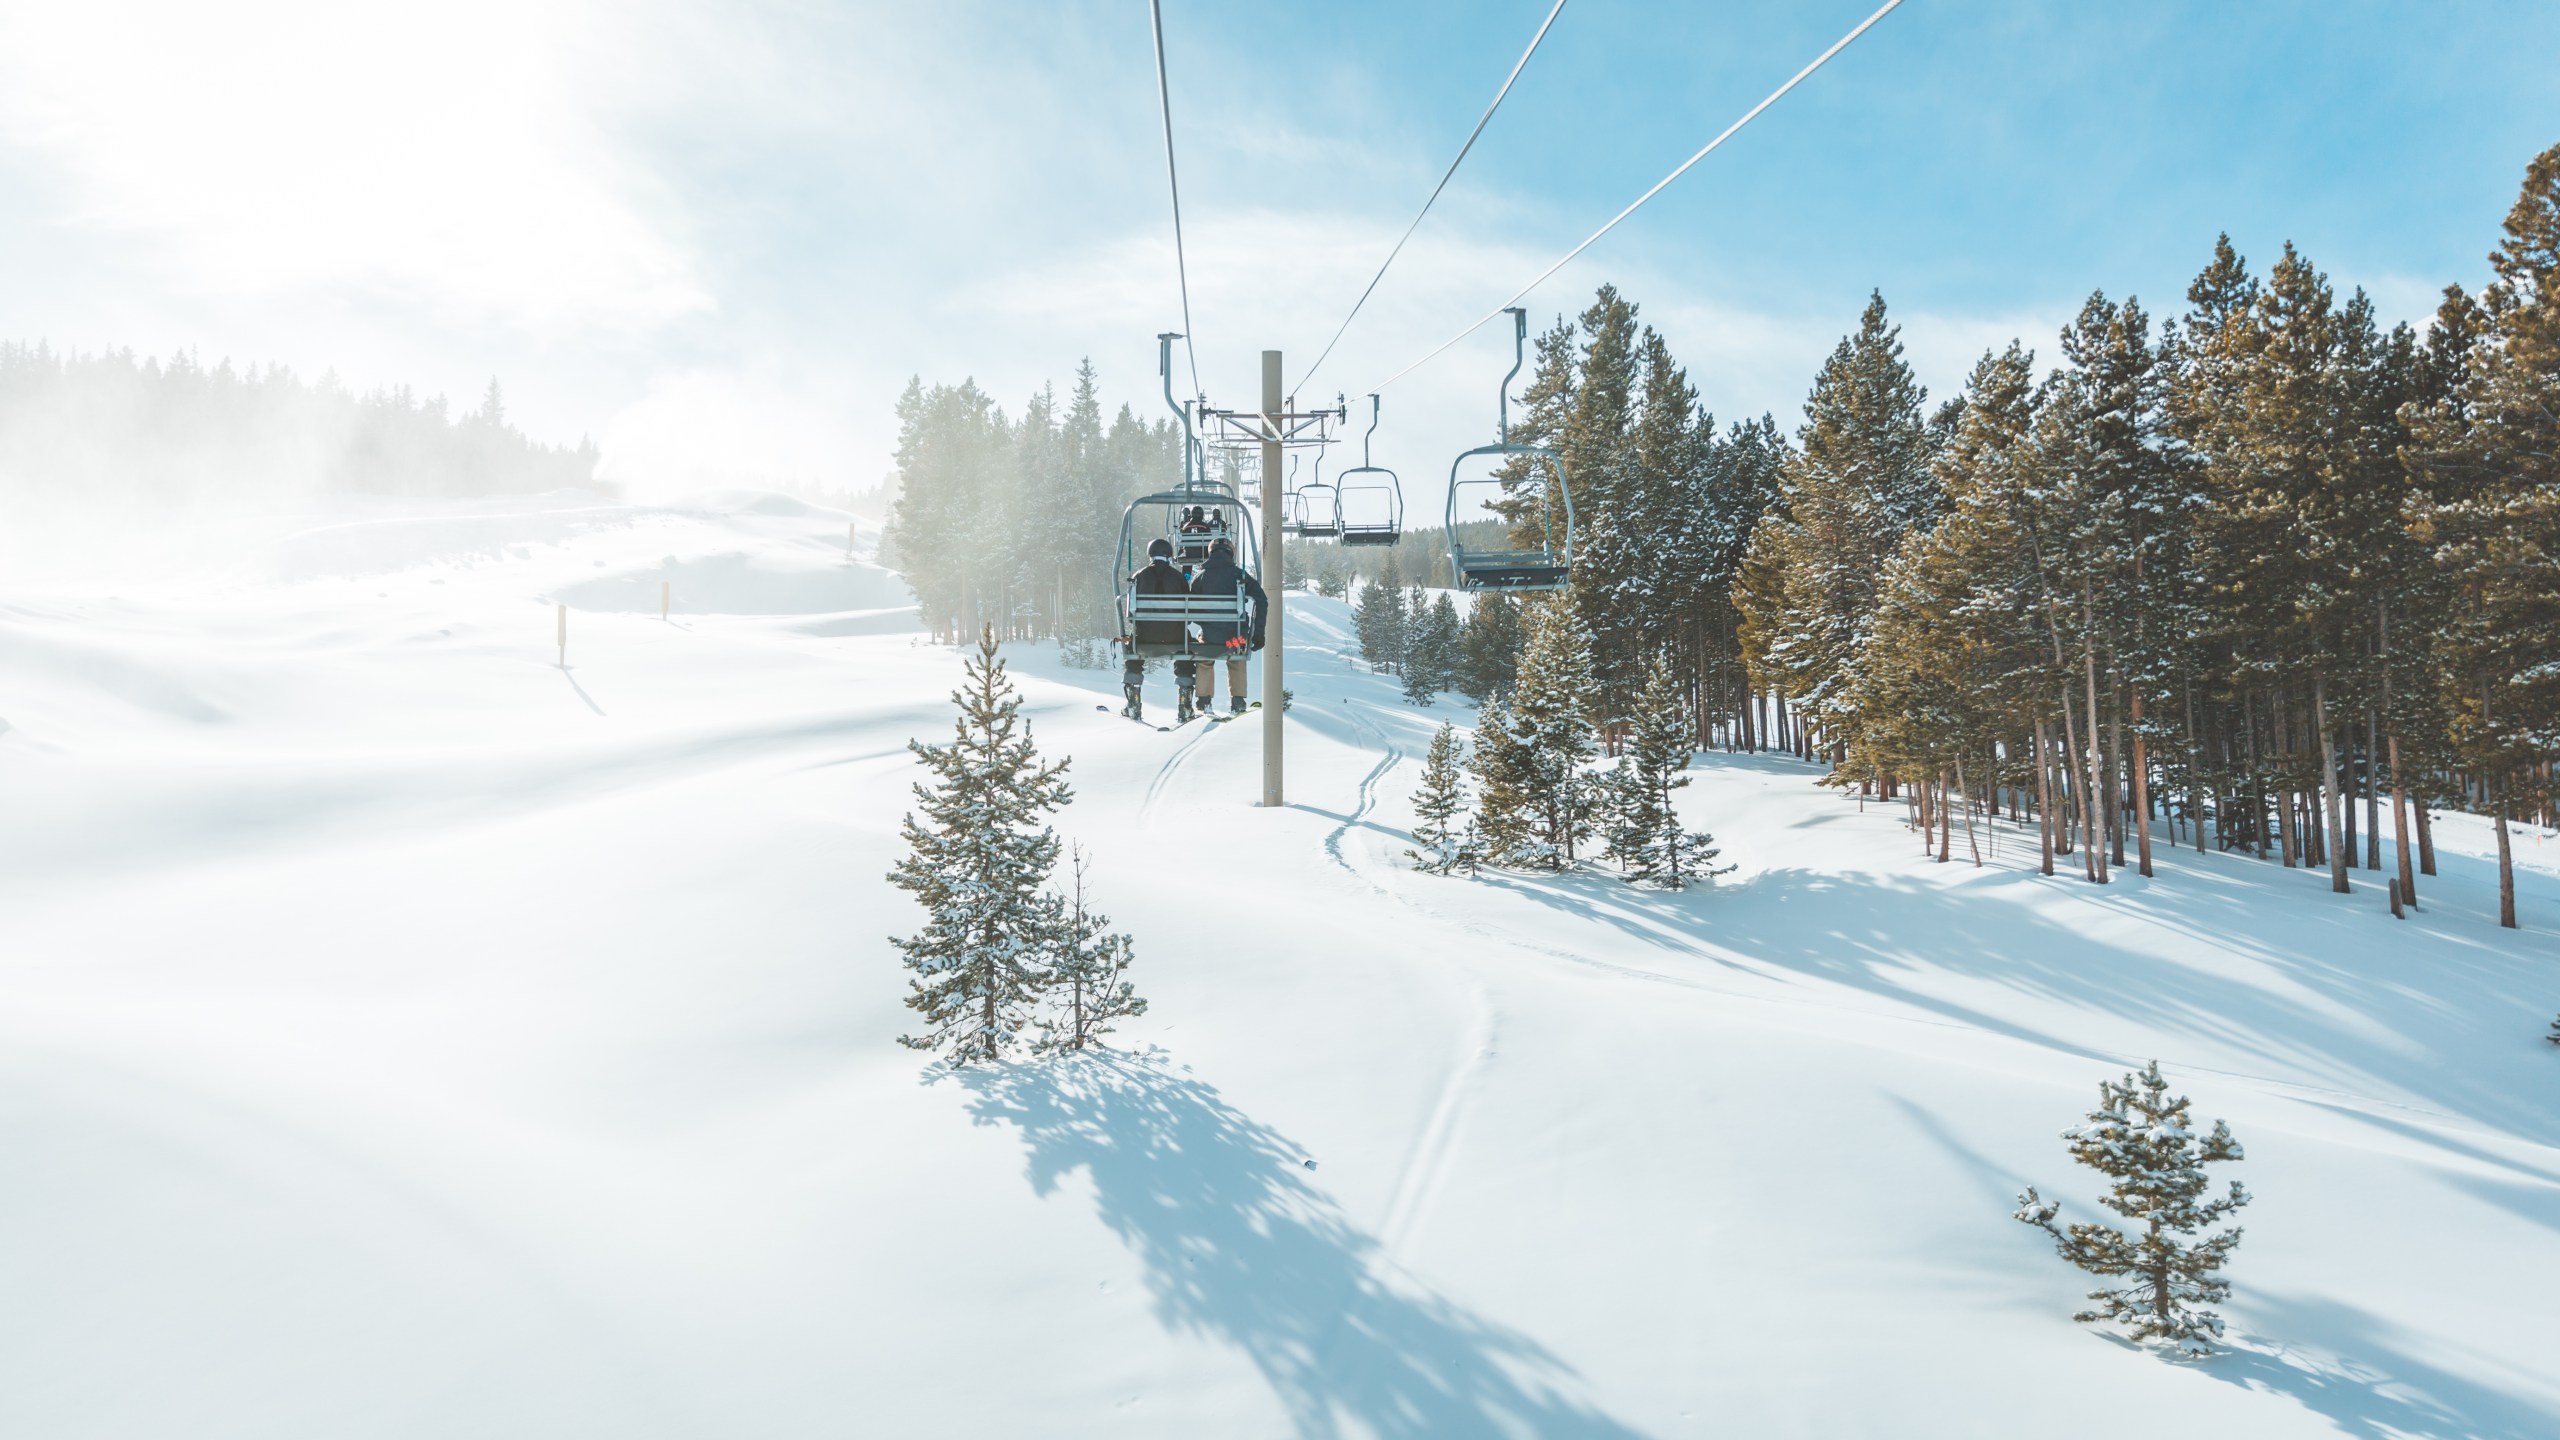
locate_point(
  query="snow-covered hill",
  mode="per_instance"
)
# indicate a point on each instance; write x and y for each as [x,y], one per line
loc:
[402,1035]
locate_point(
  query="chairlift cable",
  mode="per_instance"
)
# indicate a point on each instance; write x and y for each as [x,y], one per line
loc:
[1173,181]
[1708,149]
[1487,118]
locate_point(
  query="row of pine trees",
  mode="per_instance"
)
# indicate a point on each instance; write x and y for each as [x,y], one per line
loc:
[110,430]
[1015,523]
[2255,574]
[2251,576]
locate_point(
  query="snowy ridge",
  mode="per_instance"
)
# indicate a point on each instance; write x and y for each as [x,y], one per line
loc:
[402,1034]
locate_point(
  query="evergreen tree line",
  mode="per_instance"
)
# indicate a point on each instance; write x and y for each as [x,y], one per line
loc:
[1539,801]
[1015,523]
[2255,574]
[116,430]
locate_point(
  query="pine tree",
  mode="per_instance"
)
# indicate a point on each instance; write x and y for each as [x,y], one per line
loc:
[1432,661]
[1860,480]
[1087,981]
[977,859]
[1506,783]
[1378,618]
[2492,461]
[2141,1138]
[1648,837]
[1447,846]
[1489,646]
[1547,737]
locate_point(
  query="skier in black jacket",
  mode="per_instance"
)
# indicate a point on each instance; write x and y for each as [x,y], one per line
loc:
[1159,578]
[1222,576]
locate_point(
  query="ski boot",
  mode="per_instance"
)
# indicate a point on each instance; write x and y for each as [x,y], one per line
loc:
[1235,706]
[1182,707]
[1133,707]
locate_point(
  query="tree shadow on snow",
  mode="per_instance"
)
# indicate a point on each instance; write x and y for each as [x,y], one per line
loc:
[1241,1246]
[2307,987]
[2362,1374]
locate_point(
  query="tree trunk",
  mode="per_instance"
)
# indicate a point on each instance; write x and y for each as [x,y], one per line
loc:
[2400,827]
[2195,772]
[2099,802]
[2115,779]
[2088,828]
[2142,793]
[2426,838]
[2332,843]
[2044,802]
[2506,863]
[2372,790]
[1969,842]
[2285,830]
[1946,832]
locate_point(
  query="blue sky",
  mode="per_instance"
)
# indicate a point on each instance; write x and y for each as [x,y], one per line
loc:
[720,236]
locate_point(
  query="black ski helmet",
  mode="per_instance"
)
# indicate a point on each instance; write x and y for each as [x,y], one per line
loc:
[1223,546]
[1159,549]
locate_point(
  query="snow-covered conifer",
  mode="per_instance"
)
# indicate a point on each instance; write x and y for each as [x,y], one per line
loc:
[1088,981]
[2554,1036]
[1648,839]
[1549,718]
[977,858]
[1447,845]
[1379,618]
[2140,1137]
[1505,771]
[1432,658]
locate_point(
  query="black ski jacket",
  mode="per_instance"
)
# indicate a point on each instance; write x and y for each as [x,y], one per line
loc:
[1225,577]
[1159,578]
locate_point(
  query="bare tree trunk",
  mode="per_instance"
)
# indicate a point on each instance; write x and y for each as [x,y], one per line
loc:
[1969,842]
[2285,836]
[2506,863]
[2372,790]
[2044,801]
[2332,841]
[2142,792]
[2088,831]
[2400,827]
[1945,833]
[2094,810]
[2195,772]
[2426,837]
[2115,779]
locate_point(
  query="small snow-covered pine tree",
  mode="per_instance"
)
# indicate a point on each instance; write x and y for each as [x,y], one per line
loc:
[1088,975]
[1505,771]
[1431,659]
[2554,1036]
[1549,716]
[1657,762]
[1620,812]
[2141,1138]
[977,858]
[1448,845]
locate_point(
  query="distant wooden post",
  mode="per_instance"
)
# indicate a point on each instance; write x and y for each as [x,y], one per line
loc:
[663,587]
[852,533]
[564,637]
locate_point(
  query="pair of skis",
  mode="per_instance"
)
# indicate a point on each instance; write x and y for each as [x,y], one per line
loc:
[1210,716]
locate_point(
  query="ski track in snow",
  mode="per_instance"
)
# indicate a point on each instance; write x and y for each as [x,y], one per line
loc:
[517,1080]
[1428,1161]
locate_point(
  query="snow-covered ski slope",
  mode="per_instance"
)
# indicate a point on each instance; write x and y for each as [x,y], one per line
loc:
[401,1035]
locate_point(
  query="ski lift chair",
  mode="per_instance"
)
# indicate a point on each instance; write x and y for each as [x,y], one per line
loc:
[1546,566]
[1369,510]
[1153,626]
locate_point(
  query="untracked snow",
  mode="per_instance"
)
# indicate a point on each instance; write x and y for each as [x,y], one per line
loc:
[403,1035]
